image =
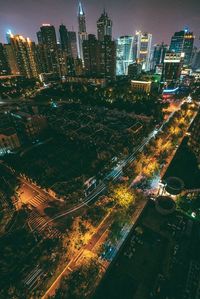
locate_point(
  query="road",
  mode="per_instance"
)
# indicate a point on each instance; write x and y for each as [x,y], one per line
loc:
[72,263]
[95,239]
[112,176]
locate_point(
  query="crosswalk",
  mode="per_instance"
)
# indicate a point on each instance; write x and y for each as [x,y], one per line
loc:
[37,223]
[32,279]
[35,220]
[37,200]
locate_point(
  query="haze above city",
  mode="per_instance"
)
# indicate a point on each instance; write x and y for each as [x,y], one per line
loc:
[161,18]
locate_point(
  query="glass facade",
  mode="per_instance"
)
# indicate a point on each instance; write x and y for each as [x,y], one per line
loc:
[124,54]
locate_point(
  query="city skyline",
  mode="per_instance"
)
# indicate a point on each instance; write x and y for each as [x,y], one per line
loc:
[135,15]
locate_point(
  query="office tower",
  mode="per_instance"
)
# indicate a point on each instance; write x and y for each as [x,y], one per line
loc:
[182,42]
[159,54]
[4,65]
[188,47]
[91,55]
[142,49]
[173,63]
[49,48]
[24,51]
[73,44]
[196,60]
[124,54]
[68,41]
[134,70]
[104,26]
[82,34]
[107,58]
[64,39]
[47,35]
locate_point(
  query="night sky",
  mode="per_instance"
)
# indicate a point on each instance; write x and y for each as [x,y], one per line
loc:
[159,17]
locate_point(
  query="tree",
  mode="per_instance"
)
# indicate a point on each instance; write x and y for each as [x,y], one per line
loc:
[175,131]
[123,196]
[151,168]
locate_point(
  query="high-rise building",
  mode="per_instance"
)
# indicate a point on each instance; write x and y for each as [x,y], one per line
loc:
[82,34]
[159,54]
[124,54]
[182,42]
[68,42]
[25,54]
[73,44]
[64,39]
[104,26]
[47,35]
[4,65]
[100,57]
[39,37]
[107,58]
[49,48]
[142,49]
[196,60]
[11,59]
[173,63]
[134,70]
[91,55]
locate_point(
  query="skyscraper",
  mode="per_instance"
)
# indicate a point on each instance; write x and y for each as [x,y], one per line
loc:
[68,48]
[47,35]
[159,54]
[182,42]
[91,55]
[73,44]
[173,63]
[124,54]
[68,41]
[64,39]
[82,34]
[142,49]
[107,58]
[24,51]
[104,26]
[49,48]
[196,60]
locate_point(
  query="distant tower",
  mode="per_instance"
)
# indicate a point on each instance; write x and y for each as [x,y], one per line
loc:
[82,34]
[183,41]
[124,54]
[142,49]
[104,26]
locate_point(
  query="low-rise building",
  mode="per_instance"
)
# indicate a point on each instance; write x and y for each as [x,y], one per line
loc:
[28,127]
[8,140]
[141,86]
[194,141]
